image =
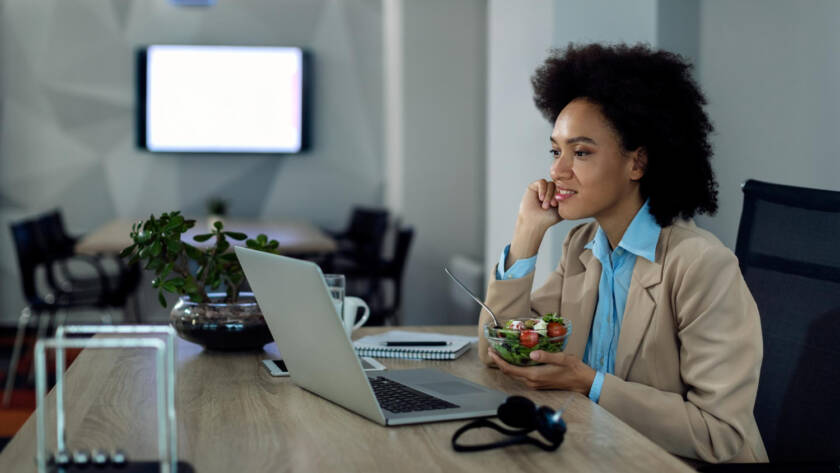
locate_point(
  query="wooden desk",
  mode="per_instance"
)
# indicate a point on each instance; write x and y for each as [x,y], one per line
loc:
[294,237]
[234,417]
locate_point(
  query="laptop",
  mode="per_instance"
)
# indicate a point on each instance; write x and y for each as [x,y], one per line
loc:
[300,314]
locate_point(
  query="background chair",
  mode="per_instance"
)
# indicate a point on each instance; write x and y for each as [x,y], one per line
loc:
[33,252]
[392,272]
[789,255]
[359,254]
[361,242]
[60,247]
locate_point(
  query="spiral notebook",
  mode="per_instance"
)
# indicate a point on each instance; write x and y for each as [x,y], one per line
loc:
[376,345]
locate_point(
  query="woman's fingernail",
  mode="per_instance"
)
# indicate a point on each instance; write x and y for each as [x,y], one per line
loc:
[535,355]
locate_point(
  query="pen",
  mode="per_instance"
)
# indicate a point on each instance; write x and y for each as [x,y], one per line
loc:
[417,344]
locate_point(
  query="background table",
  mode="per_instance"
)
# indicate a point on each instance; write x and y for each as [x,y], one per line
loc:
[234,417]
[294,237]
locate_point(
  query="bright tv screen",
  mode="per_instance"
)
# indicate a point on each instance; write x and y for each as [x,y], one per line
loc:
[221,99]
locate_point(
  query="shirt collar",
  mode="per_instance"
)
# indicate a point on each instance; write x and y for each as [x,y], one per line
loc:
[640,238]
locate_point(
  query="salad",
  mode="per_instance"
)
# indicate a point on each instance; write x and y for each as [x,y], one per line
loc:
[517,338]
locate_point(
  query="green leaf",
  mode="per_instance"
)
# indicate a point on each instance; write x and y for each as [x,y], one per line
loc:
[228,258]
[154,264]
[239,236]
[203,237]
[262,239]
[193,252]
[172,226]
[223,246]
[167,269]
[161,299]
[189,224]
[174,245]
[218,225]
[127,251]
[177,281]
[156,248]
[169,286]
[190,286]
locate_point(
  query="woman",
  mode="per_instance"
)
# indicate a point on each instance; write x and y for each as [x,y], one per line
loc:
[665,334]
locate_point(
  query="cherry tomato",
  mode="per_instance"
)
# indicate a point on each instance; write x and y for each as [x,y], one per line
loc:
[556,329]
[528,338]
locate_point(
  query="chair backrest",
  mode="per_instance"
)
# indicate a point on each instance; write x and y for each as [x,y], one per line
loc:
[396,267]
[30,254]
[788,251]
[58,242]
[367,231]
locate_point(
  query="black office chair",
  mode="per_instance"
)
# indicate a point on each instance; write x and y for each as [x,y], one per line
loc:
[374,278]
[393,271]
[33,252]
[122,283]
[788,251]
[361,243]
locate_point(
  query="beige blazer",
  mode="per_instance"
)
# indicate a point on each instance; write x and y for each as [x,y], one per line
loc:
[689,352]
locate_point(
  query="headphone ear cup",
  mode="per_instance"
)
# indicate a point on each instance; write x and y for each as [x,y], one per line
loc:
[518,411]
[551,425]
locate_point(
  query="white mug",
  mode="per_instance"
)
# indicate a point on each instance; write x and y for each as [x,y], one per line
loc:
[346,307]
[348,318]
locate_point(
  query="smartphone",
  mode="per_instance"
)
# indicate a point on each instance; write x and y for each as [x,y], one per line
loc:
[278,367]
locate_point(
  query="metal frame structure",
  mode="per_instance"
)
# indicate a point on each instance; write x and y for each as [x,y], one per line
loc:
[165,374]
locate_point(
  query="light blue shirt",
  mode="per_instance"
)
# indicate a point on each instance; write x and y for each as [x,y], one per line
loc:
[617,265]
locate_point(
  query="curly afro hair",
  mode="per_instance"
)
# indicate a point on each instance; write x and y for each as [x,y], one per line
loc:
[652,102]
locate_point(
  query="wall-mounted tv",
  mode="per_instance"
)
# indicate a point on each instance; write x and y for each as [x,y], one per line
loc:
[222,99]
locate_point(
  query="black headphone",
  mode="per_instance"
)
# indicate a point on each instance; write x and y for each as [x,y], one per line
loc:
[521,412]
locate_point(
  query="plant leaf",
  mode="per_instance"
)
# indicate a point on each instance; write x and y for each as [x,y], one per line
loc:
[239,236]
[167,269]
[127,251]
[169,286]
[203,237]
[161,299]
[193,252]
[218,225]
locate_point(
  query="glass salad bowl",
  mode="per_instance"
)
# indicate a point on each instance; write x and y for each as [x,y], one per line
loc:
[517,338]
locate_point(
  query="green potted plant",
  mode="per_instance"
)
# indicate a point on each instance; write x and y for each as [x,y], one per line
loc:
[211,310]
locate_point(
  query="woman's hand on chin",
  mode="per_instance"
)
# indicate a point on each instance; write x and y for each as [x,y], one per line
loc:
[560,371]
[537,213]
[538,207]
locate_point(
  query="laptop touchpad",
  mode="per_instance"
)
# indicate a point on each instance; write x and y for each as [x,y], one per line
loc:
[451,388]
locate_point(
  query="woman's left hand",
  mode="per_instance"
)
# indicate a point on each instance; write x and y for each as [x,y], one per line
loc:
[560,371]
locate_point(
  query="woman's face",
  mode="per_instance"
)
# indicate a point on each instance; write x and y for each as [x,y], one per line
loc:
[594,175]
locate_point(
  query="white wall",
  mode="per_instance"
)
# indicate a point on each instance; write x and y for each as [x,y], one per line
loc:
[771,73]
[605,21]
[518,40]
[442,170]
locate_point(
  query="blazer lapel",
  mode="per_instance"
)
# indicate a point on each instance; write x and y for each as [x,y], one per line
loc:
[584,283]
[639,308]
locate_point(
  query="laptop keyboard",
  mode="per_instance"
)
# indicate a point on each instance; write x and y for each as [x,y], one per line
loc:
[399,398]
